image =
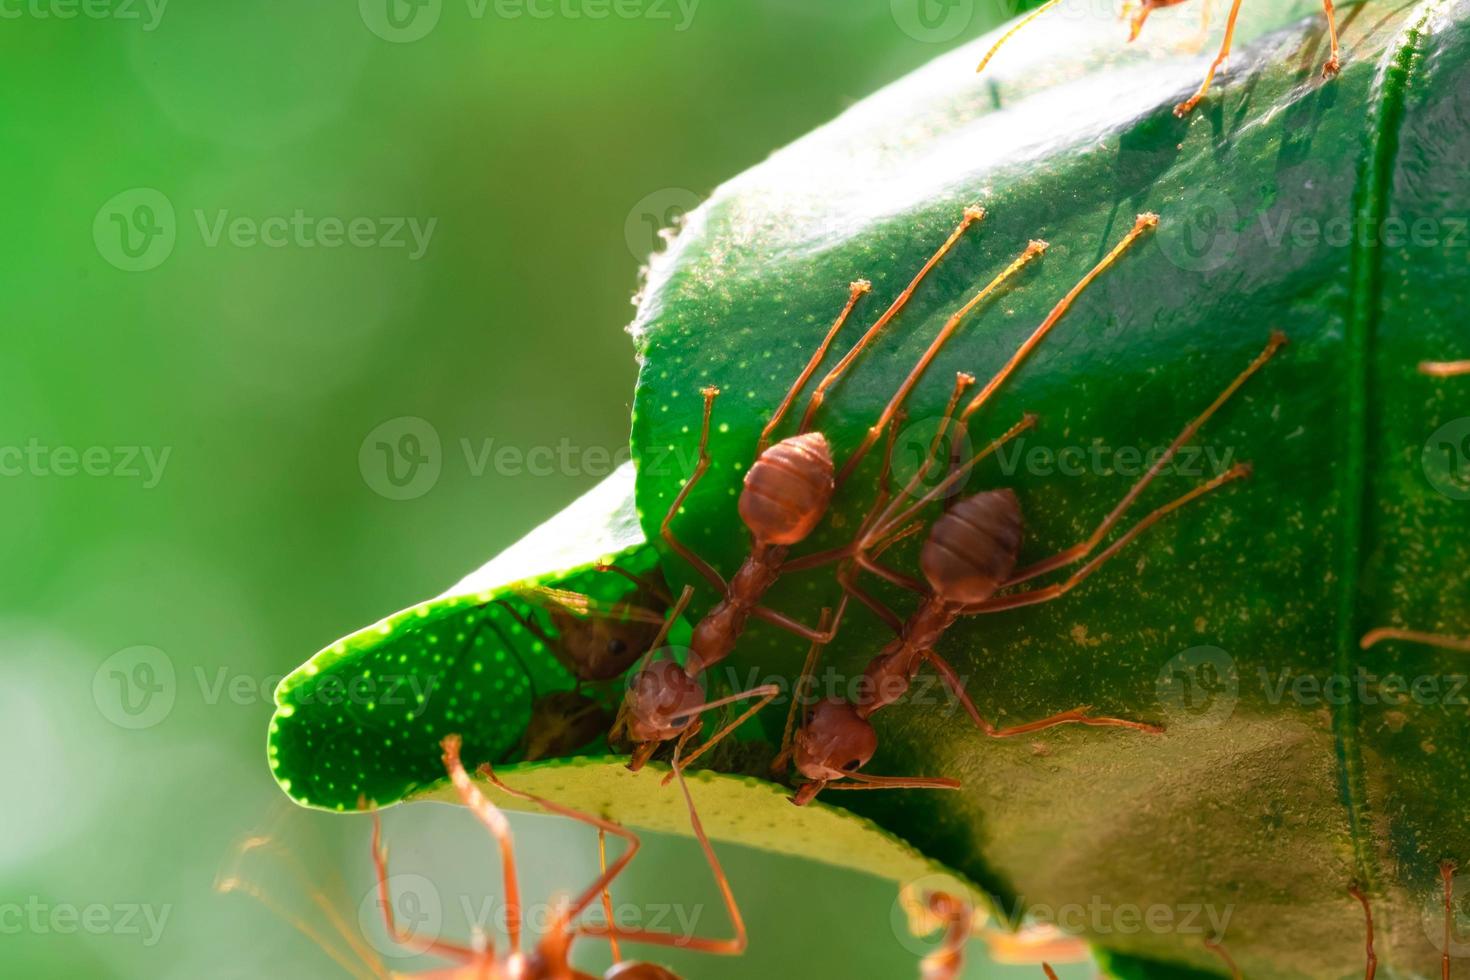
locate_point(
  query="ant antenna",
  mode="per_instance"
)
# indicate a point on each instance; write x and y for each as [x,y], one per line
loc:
[971,216]
[1013,32]
[875,431]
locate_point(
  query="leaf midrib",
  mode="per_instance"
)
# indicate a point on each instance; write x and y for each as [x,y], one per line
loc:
[1371,202]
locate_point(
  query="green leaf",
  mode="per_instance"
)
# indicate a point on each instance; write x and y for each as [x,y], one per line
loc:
[1269,807]
[1263,800]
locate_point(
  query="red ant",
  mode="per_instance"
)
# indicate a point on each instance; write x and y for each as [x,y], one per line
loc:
[551,959]
[1434,369]
[1447,880]
[969,557]
[786,493]
[1138,11]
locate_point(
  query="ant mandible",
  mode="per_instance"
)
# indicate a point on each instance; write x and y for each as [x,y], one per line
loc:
[1137,13]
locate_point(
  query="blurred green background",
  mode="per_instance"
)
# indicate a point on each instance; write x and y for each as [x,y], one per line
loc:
[240,238]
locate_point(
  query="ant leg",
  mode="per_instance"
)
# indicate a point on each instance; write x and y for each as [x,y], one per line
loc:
[489,815]
[733,946]
[890,618]
[1456,643]
[1077,716]
[1215,946]
[666,528]
[1372,968]
[1077,552]
[946,962]
[1016,600]
[764,694]
[895,404]
[1013,31]
[1447,875]
[1050,973]
[606,878]
[801,629]
[607,905]
[798,697]
[889,519]
[855,292]
[970,217]
[1187,106]
[366,966]
[1444,369]
[880,516]
[1144,223]
[648,585]
[1333,65]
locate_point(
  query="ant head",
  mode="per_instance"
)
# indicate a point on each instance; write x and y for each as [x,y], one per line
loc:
[628,970]
[603,647]
[972,548]
[834,741]
[661,700]
[787,490]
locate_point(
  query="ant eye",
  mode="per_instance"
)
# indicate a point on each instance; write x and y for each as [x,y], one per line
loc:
[617,647]
[855,763]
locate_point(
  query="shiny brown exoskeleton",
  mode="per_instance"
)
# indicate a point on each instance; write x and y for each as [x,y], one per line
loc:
[968,559]
[785,496]
[1137,12]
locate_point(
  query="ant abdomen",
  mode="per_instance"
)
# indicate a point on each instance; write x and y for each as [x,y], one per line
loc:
[787,490]
[972,548]
[835,741]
